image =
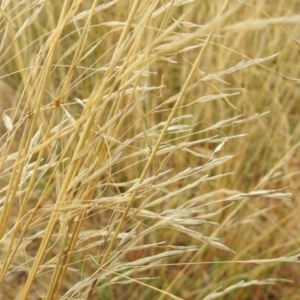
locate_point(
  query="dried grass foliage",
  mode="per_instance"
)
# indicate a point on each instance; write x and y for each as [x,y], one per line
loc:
[120,166]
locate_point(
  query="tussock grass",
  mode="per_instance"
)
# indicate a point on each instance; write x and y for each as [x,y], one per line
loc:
[149,149]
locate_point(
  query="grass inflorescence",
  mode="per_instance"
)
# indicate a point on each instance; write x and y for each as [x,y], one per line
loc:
[149,149]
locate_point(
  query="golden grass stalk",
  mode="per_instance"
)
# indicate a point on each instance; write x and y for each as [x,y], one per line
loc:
[125,169]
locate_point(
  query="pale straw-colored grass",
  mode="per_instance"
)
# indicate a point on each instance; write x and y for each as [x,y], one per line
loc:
[136,162]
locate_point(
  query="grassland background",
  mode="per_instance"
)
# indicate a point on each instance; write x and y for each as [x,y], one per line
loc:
[126,81]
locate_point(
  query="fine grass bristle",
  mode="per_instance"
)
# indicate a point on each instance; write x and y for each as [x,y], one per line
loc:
[149,149]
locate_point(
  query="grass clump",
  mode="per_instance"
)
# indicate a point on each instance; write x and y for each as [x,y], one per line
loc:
[148,150]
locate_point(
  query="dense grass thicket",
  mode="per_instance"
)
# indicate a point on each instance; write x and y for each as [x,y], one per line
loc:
[149,149]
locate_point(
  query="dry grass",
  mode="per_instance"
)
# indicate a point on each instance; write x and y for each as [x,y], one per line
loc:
[150,149]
